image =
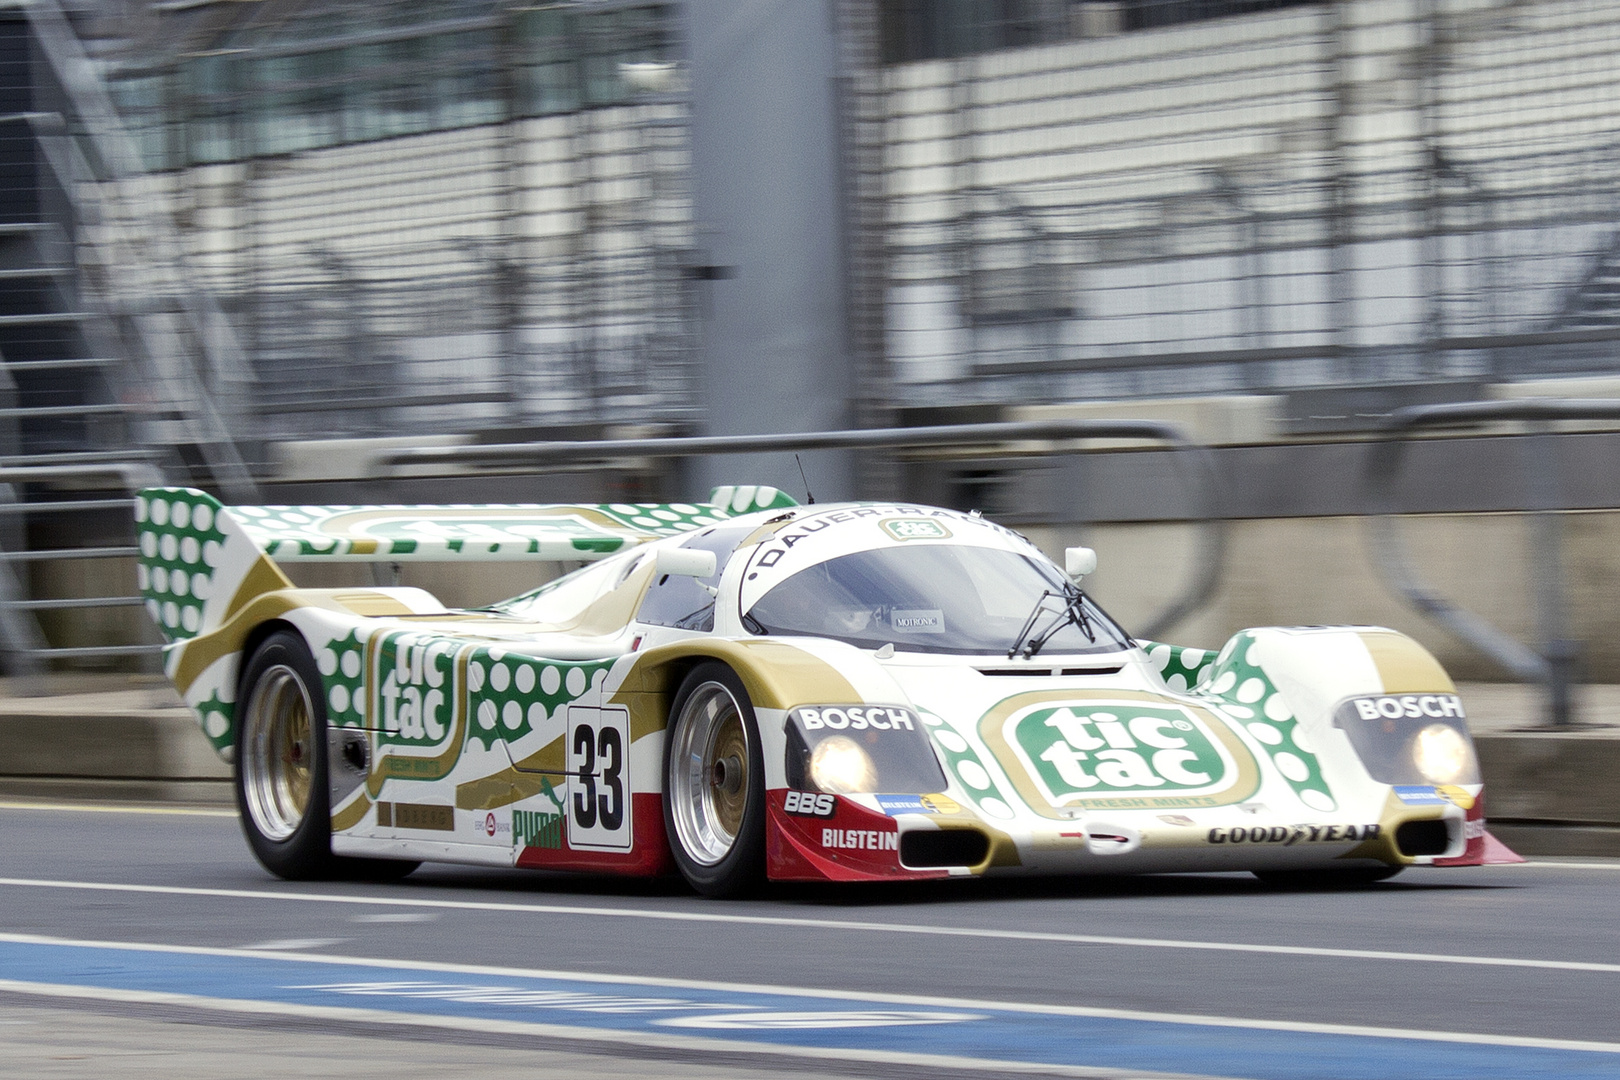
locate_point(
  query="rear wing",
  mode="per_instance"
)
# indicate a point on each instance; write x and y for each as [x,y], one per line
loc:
[201,561]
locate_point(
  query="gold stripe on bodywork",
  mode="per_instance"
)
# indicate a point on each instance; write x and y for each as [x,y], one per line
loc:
[203,651]
[524,780]
[262,577]
[352,814]
[1404,666]
[776,676]
[1243,785]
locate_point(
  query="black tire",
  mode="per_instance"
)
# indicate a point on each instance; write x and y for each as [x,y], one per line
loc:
[1358,877]
[714,805]
[282,795]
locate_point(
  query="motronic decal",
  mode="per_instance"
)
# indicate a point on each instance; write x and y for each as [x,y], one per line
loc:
[1114,751]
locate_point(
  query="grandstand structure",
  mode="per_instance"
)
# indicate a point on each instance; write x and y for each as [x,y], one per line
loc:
[1141,200]
[238,231]
[444,217]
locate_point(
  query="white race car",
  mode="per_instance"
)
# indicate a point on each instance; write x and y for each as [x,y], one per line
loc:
[749,689]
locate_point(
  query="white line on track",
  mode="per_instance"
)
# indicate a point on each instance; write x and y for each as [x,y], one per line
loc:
[828,924]
[114,808]
[1301,1026]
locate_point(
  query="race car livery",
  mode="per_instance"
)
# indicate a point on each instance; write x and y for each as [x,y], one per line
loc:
[747,689]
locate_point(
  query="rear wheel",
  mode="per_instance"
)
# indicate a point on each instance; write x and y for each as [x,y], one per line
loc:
[1338,878]
[714,784]
[281,785]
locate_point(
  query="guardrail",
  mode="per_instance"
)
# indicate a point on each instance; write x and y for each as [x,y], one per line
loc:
[1554,665]
[1201,478]
[20,635]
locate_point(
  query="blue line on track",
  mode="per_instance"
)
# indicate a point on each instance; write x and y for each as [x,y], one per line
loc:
[650,1010]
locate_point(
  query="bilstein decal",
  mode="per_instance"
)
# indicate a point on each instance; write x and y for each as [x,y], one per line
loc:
[860,840]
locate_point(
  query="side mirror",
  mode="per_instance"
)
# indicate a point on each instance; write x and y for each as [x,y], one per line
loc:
[686,562]
[1079,561]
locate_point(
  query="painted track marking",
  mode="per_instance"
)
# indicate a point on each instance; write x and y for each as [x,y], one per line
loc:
[114,808]
[830,924]
[918,1000]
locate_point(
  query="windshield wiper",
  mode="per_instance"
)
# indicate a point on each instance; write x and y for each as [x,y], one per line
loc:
[1072,613]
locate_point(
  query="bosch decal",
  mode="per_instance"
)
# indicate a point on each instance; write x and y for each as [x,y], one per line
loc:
[858,718]
[1409,706]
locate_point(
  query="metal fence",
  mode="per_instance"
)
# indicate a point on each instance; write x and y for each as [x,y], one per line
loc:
[1314,195]
[457,216]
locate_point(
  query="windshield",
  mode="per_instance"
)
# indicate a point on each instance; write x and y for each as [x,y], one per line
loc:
[948,598]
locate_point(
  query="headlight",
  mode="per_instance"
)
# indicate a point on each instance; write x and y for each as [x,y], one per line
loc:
[1441,754]
[840,767]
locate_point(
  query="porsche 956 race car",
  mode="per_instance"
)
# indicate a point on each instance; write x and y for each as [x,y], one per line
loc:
[750,689]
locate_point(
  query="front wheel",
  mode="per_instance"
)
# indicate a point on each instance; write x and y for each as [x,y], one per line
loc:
[1320,880]
[714,784]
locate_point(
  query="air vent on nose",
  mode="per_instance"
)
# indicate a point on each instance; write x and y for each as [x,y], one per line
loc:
[1049,672]
[1423,838]
[922,848]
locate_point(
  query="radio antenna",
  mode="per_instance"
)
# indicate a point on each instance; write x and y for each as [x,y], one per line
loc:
[810,500]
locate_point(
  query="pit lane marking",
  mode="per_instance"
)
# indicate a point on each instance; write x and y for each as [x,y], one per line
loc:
[95,808]
[826,924]
[314,962]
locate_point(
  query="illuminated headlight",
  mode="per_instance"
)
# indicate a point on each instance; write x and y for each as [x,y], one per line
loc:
[840,767]
[1441,754]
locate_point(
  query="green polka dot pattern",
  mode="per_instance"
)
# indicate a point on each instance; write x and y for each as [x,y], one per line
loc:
[218,719]
[342,665]
[1236,687]
[1181,666]
[474,531]
[180,542]
[967,769]
[509,695]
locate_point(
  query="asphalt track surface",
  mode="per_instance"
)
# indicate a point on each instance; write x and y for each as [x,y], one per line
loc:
[134,940]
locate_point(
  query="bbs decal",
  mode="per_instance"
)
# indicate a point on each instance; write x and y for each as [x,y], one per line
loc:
[809,804]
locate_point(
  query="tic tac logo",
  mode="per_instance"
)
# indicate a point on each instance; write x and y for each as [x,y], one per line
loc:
[1409,707]
[413,684]
[809,804]
[1135,749]
[857,718]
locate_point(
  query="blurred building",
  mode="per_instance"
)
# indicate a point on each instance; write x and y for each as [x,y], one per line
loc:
[278,223]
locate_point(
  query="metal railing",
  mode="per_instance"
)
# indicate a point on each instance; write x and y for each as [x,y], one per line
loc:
[27,650]
[132,264]
[1554,666]
[1198,468]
